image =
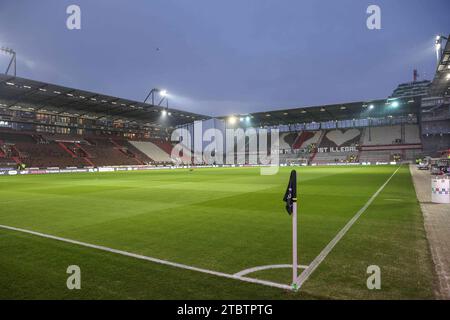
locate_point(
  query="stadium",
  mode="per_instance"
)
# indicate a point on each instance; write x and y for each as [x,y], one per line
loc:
[152,201]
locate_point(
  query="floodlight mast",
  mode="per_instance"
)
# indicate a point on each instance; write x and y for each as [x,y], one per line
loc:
[162,93]
[12,53]
[439,48]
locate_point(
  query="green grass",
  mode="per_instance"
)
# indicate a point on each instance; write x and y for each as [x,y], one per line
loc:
[220,219]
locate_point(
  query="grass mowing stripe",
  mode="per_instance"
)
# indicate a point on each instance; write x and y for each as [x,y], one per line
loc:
[156,260]
[323,254]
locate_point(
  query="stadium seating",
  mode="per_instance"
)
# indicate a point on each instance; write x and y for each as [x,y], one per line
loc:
[375,144]
[103,152]
[36,150]
[334,157]
[340,138]
[132,151]
[153,151]
[388,135]
[369,144]
[298,140]
[46,155]
[412,134]
[287,140]
[306,138]
[12,138]
[376,156]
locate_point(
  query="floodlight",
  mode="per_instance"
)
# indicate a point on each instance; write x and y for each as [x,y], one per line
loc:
[247,118]
[395,104]
[232,120]
[241,119]
[164,113]
[371,106]
[163,93]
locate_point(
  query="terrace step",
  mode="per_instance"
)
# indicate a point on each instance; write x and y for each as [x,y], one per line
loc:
[88,155]
[64,147]
[126,151]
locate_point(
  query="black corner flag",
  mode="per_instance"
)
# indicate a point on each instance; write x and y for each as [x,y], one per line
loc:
[291,192]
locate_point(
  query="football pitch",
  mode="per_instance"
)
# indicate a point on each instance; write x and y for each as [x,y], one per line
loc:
[201,228]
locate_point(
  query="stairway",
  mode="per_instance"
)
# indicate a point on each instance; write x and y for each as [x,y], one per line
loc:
[88,155]
[64,147]
[301,138]
[322,135]
[126,151]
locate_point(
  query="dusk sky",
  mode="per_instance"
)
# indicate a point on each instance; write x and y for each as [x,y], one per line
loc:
[229,56]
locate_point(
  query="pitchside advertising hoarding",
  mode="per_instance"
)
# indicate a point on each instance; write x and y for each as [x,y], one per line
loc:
[134,168]
[440,190]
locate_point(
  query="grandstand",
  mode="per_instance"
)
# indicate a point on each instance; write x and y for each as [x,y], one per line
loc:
[45,125]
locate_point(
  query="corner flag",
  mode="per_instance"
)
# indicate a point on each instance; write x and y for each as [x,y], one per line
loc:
[290,197]
[291,192]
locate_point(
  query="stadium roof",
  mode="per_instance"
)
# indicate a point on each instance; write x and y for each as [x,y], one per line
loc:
[441,81]
[29,95]
[340,111]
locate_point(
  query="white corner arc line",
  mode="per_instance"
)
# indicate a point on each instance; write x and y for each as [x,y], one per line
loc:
[260,268]
[155,260]
[323,254]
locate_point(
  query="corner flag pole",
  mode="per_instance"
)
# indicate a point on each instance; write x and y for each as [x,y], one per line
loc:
[294,242]
[290,197]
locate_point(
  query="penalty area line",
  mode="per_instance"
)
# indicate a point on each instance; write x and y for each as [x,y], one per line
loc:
[324,253]
[151,259]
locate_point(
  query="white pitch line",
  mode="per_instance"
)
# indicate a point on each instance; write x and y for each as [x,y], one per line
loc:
[260,268]
[323,254]
[155,260]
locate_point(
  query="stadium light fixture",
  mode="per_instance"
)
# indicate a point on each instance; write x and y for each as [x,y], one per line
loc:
[438,46]
[395,104]
[247,119]
[164,113]
[162,93]
[371,106]
[241,119]
[232,120]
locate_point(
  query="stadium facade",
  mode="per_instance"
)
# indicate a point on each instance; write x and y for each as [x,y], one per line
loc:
[45,125]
